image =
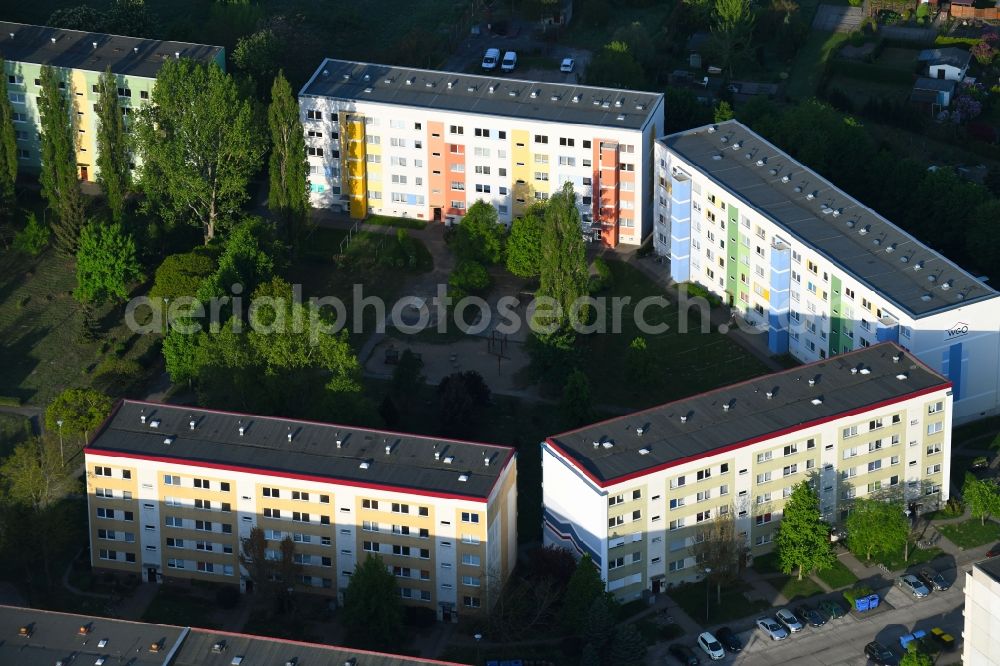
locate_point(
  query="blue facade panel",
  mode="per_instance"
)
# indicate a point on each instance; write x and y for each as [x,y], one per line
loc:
[953,368]
[680,228]
[887,332]
[777,329]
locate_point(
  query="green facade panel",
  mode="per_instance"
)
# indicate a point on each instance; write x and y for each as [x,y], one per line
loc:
[732,253]
[836,316]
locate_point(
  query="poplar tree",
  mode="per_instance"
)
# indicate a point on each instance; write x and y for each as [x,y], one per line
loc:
[8,150]
[60,185]
[563,266]
[288,198]
[112,146]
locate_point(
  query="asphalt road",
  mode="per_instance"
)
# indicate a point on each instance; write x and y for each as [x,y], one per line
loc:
[841,642]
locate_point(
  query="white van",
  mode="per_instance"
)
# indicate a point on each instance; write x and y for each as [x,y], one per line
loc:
[509,61]
[491,59]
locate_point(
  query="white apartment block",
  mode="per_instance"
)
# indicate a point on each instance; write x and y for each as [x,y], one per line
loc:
[981,635]
[173,491]
[816,271]
[636,492]
[429,144]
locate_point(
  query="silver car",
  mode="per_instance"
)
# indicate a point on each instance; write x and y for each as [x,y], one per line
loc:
[771,627]
[788,620]
[913,585]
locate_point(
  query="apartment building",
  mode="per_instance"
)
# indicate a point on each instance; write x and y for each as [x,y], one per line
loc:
[637,492]
[80,58]
[172,491]
[815,270]
[428,144]
[34,637]
[981,636]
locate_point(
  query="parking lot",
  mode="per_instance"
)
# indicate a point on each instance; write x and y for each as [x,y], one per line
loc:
[841,642]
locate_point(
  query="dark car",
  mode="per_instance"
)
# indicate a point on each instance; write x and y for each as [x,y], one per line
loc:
[880,654]
[994,551]
[812,616]
[684,654]
[933,579]
[832,609]
[729,639]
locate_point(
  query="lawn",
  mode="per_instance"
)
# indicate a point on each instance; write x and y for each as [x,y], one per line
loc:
[734,606]
[810,63]
[794,589]
[688,363]
[971,533]
[767,563]
[180,608]
[860,91]
[837,576]
[918,556]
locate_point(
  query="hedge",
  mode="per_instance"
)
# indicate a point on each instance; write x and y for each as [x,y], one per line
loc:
[946,40]
[9,401]
[857,592]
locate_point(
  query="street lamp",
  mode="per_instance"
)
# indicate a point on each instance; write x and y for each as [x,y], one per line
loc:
[478,636]
[62,457]
[708,570]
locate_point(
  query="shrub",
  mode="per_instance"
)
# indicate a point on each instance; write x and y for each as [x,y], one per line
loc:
[227,596]
[469,277]
[857,592]
[33,238]
[695,290]
[604,279]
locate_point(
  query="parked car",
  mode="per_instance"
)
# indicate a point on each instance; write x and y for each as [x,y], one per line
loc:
[567,65]
[912,584]
[932,579]
[880,654]
[684,654]
[982,462]
[771,627]
[832,609]
[509,61]
[814,617]
[711,646]
[729,639]
[789,621]
[994,551]
[491,59]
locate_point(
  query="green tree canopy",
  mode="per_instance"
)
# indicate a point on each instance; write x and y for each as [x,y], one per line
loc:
[407,378]
[33,238]
[982,496]
[182,274]
[468,276]
[288,196]
[199,144]
[480,235]
[106,264]
[803,538]
[732,30]
[915,656]
[628,647]
[682,110]
[564,275]
[577,402]
[640,44]
[35,476]
[8,151]
[60,185]
[615,66]
[462,396]
[247,260]
[876,527]
[81,411]
[259,55]
[585,585]
[524,245]
[373,613]
[113,161]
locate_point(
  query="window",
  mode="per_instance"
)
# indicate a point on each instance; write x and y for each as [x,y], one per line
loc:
[933,448]
[400,508]
[471,560]
[936,407]
[313,114]
[471,602]
[677,483]
[169,480]
[271,492]
[370,504]
[456,129]
[934,469]
[791,449]
[702,516]
[763,477]
[704,474]
[934,428]
[788,470]
[676,524]
[763,518]
[850,432]
[763,457]
[874,465]
[676,503]
[102,471]
[539,138]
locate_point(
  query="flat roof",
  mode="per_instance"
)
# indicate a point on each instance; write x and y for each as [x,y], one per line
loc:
[56,636]
[486,95]
[461,471]
[876,252]
[20,42]
[710,428]
[197,651]
[990,567]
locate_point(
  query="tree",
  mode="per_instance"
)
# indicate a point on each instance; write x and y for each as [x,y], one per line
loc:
[639,43]
[577,402]
[373,613]
[640,364]
[524,244]
[732,30]
[123,17]
[199,145]
[682,110]
[259,55]
[720,548]
[8,150]
[182,274]
[60,186]
[599,627]
[982,496]
[723,112]
[113,162]
[628,647]
[982,236]
[461,398]
[82,17]
[288,197]
[615,66]
[564,275]
[915,656]
[105,264]
[81,411]
[35,476]
[407,378]
[585,585]
[33,238]
[480,236]
[468,276]
[288,568]
[803,538]
[247,260]
[877,526]
[253,558]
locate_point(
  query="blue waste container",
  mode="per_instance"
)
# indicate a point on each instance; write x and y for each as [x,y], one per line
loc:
[873,602]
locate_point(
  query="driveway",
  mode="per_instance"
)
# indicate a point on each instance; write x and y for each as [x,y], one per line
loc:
[835,18]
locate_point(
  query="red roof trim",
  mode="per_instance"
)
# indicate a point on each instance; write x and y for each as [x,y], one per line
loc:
[286,475]
[415,660]
[748,442]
